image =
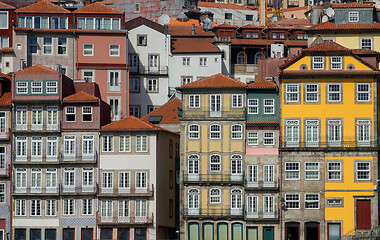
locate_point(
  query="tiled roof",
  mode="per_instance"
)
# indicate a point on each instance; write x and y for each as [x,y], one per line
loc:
[138,21]
[168,111]
[262,83]
[350,5]
[130,123]
[328,46]
[291,9]
[38,68]
[6,6]
[215,81]
[6,50]
[98,7]
[225,25]
[193,45]
[2,75]
[186,31]
[81,97]
[332,26]
[291,23]
[364,51]
[262,123]
[190,22]
[221,5]
[250,26]
[43,7]
[6,99]
[265,42]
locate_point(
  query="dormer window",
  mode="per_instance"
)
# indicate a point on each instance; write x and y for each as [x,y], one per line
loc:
[353,16]
[252,35]
[318,63]
[278,35]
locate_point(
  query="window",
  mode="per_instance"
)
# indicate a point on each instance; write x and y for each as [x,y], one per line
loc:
[51,179]
[236,131]
[236,199]
[366,43]
[59,22]
[20,207]
[363,92]
[194,101]
[311,171]
[268,138]
[124,143]
[215,105]
[215,131]
[215,195]
[237,100]
[278,35]
[251,34]
[69,145]
[152,85]
[193,132]
[353,16]
[69,178]
[51,207]
[311,201]
[137,7]
[253,138]
[334,132]
[115,108]
[312,133]
[252,204]
[141,180]
[21,147]
[90,23]
[114,50]
[36,179]
[123,211]
[36,87]
[151,108]
[334,92]
[2,192]
[241,58]
[36,147]
[268,206]
[35,207]
[87,179]
[292,201]
[36,116]
[269,175]
[124,180]
[311,93]
[87,145]
[236,165]
[51,87]
[363,170]
[334,171]
[186,80]
[2,158]
[133,62]
[68,207]
[363,132]
[258,55]
[140,208]
[62,46]
[252,172]
[141,143]
[88,50]
[33,45]
[107,143]
[114,81]
[318,63]
[292,132]
[141,40]
[22,87]
[186,61]
[70,114]
[193,164]
[4,43]
[134,85]
[253,106]
[228,16]
[106,208]
[336,63]
[292,92]
[302,36]
[215,163]
[203,61]
[87,207]
[134,110]
[107,180]
[47,46]
[292,171]
[3,20]
[87,114]
[268,106]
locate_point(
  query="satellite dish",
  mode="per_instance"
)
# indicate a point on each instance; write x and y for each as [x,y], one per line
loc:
[207,24]
[164,19]
[330,12]
[325,18]
[321,3]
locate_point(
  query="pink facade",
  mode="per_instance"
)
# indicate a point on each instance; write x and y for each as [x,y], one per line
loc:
[261,151]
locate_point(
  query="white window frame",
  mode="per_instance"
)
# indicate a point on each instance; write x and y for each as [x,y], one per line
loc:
[268,106]
[215,131]
[107,181]
[318,63]
[115,84]
[87,206]
[186,61]
[292,168]
[88,50]
[107,143]
[141,181]
[353,16]
[125,145]
[87,110]
[215,198]
[235,132]
[268,140]
[35,207]
[311,201]
[253,138]
[152,85]
[203,61]
[253,106]
[366,43]
[336,62]
[334,171]
[363,128]
[332,92]
[124,181]
[292,92]
[114,52]
[51,87]
[68,206]
[20,207]
[311,93]
[22,87]
[237,100]
[365,171]
[193,133]
[194,101]
[70,111]
[360,93]
[62,46]
[141,143]
[50,207]
[47,47]
[308,170]
[292,200]
[215,163]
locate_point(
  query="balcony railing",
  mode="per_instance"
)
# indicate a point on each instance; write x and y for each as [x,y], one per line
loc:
[238,114]
[70,158]
[35,190]
[125,220]
[78,190]
[105,27]
[133,191]
[261,185]
[225,177]
[222,212]
[36,127]
[5,170]
[142,69]
[39,159]
[325,143]
[5,133]
[262,216]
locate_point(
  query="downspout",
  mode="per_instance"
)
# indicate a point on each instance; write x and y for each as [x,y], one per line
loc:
[9,236]
[127,75]
[76,41]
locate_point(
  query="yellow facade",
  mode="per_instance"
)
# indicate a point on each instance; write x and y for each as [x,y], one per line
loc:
[351,41]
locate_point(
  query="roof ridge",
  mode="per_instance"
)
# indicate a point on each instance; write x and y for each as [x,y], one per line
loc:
[43,6]
[26,70]
[92,8]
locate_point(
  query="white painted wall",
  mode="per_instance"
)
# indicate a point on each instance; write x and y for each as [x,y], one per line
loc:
[238,16]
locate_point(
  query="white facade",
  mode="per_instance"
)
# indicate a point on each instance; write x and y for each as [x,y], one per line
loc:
[237,17]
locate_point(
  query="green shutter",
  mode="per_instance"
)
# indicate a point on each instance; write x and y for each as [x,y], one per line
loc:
[222,231]
[193,231]
[208,231]
[237,231]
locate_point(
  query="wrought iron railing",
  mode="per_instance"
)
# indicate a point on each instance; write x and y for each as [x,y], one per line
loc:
[226,177]
[143,69]
[217,212]
[261,215]
[131,191]
[236,114]
[124,220]
[36,127]
[261,185]
[326,143]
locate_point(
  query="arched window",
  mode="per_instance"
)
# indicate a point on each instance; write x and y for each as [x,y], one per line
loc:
[236,199]
[215,163]
[258,55]
[236,131]
[215,195]
[193,131]
[215,130]
[193,198]
[236,164]
[193,164]
[241,58]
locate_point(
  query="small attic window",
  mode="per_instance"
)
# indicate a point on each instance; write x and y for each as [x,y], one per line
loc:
[228,16]
[353,16]
[137,7]
[155,119]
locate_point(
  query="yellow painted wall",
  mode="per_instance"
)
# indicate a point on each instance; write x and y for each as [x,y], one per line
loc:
[352,40]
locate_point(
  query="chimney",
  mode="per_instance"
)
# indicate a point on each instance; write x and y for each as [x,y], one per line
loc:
[87,3]
[193,29]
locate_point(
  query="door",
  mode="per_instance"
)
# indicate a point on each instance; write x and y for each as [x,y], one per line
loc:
[312,231]
[363,214]
[193,167]
[215,106]
[86,233]
[268,233]
[153,63]
[292,231]
[193,231]
[68,234]
[252,233]
[334,231]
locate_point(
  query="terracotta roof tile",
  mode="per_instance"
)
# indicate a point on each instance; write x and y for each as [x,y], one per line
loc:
[265,42]
[364,51]
[291,9]
[328,46]
[291,23]
[262,123]
[193,45]
[81,97]
[43,7]
[222,5]
[250,26]
[168,111]
[215,81]
[6,99]
[262,83]
[190,22]
[225,25]
[332,26]
[6,6]
[38,68]
[98,7]
[6,50]
[350,5]
[130,123]
[139,21]
[2,75]
[186,31]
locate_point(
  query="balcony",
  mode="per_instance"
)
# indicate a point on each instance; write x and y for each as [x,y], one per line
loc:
[262,216]
[35,190]
[329,144]
[223,212]
[194,114]
[84,158]
[36,127]
[78,190]
[5,170]
[125,220]
[261,185]
[250,69]
[5,133]
[37,159]
[135,192]
[217,178]
[143,69]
